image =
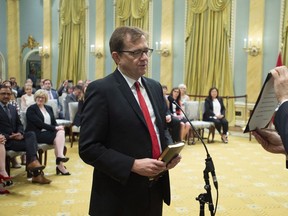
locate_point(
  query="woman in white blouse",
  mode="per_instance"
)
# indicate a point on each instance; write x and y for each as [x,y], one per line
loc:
[28,98]
[41,120]
[215,112]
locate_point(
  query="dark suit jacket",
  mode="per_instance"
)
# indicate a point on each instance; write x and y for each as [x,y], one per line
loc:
[8,127]
[35,119]
[208,106]
[113,134]
[281,123]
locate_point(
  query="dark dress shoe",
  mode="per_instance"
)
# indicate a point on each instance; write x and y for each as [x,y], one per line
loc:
[41,179]
[35,165]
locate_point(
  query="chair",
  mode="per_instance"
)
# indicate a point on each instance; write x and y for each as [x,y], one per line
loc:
[9,155]
[73,108]
[192,109]
[42,147]
[66,123]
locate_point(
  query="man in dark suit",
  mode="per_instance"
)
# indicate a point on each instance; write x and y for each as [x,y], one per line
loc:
[271,140]
[53,95]
[12,128]
[73,97]
[115,138]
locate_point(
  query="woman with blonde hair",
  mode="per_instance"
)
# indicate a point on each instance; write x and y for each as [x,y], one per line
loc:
[41,120]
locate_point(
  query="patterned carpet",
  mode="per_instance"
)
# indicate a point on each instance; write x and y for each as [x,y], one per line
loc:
[251,182]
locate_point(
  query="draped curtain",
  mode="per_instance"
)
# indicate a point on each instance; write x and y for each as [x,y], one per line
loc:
[72,40]
[133,13]
[207,50]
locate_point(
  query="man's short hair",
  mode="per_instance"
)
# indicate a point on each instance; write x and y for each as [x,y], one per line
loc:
[119,35]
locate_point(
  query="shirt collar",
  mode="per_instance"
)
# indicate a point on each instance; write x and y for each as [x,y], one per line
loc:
[131,81]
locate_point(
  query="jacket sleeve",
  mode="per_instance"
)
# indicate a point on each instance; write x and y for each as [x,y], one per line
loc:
[281,123]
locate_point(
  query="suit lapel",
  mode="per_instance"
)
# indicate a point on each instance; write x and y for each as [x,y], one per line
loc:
[127,93]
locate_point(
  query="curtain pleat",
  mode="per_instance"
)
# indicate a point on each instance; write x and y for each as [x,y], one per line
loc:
[207,50]
[72,41]
[133,13]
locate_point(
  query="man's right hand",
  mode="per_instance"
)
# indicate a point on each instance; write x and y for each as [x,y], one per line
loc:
[148,167]
[270,140]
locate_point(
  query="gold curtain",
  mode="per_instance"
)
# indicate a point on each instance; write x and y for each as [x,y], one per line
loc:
[207,50]
[72,48]
[133,13]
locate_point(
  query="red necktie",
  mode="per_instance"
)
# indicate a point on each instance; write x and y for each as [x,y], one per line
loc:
[154,139]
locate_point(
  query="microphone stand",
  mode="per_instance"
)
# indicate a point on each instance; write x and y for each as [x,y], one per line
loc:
[209,168]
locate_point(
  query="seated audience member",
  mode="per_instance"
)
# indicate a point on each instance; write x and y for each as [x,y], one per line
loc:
[13,101]
[173,122]
[9,84]
[184,96]
[63,88]
[53,95]
[5,179]
[215,112]
[27,99]
[165,91]
[18,140]
[41,120]
[175,111]
[73,97]
[22,90]
[15,86]
[80,83]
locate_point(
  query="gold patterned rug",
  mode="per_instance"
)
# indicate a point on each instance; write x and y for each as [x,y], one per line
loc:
[252,182]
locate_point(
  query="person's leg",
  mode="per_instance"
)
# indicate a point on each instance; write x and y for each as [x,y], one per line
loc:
[31,146]
[182,131]
[224,126]
[175,129]
[2,161]
[187,128]
[59,143]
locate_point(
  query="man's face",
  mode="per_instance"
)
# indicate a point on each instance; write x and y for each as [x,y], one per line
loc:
[5,95]
[129,64]
[47,85]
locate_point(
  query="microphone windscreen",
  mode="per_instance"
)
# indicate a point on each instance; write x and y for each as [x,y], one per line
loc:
[171,99]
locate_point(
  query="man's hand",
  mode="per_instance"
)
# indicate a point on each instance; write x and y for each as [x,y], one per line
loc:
[168,118]
[174,162]
[16,136]
[280,75]
[270,140]
[148,167]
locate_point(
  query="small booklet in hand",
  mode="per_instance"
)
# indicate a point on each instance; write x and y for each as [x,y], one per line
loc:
[171,152]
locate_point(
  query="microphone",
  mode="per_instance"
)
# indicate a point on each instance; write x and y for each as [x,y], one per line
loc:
[209,162]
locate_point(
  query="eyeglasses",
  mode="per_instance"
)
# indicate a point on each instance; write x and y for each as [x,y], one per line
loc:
[5,93]
[39,97]
[138,53]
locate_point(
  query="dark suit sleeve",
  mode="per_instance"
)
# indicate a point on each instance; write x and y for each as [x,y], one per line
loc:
[95,135]
[281,123]
[208,106]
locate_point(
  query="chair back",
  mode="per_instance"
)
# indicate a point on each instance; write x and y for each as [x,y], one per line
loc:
[54,104]
[73,108]
[192,110]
